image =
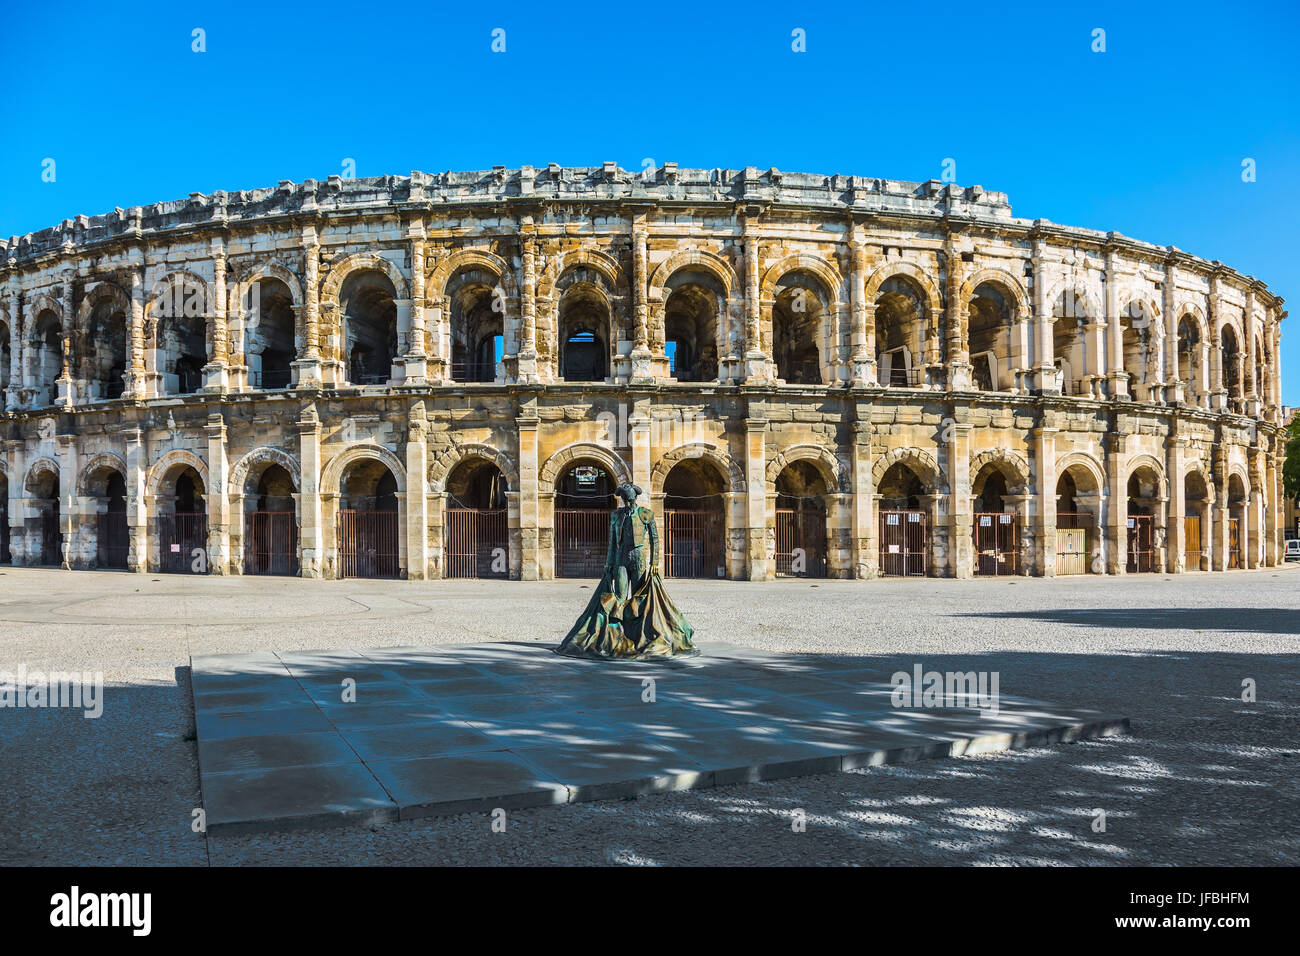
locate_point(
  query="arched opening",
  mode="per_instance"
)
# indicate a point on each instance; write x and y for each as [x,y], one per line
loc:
[181,353]
[694,520]
[271,347]
[1230,357]
[477,306]
[104,362]
[367,298]
[1196,513]
[6,356]
[368,521]
[584,500]
[1137,321]
[992,315]
[43,492]
[1236,522]
[801,499]
[585,323]
[49,356]
[477,531]
[904,523]
[270,522]
[1078,502]
[107,486]
[182,523]
[1189,358]
[799,316]
[900,320]
[994,530]
[691,316]
[1143,489]
[1069,343]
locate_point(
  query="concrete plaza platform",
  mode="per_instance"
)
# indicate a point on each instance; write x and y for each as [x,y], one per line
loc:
[288,740]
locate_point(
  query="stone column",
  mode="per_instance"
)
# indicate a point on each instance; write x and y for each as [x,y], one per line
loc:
[65,452]
[307,369]
[532,548]
[1044,481]
[1116,544]
[311,538]
[417,497]
[757,364]
[863,523]
[862,358]
[958,343]
[214,373]
[639,436]
[1115,374]
[136,376]
[1049,380]
[1176,390]
[961,549]
[15,506]
[415,364]
[761,568]
[642,357]
[12,397]
[137,515]
[1175,452]
[527,367]
[218,503]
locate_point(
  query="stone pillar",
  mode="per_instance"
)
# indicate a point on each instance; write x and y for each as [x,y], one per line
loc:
[955,327]
[863,521]
[1048,379]
[1116,545]
[1175,452]
[307,369]
[1044,482]
[12,396]
[1115,374]
[1176,390]
[136,377]
[218,545]
[531,547]
[415,363]
[137,515]
[526,371]
[757,365]
[642,364]
[214,373]
[417,497]
[862,354]
[65,452]
[961,548]
[311,537]
[14,506]
[761,568]
[639,436]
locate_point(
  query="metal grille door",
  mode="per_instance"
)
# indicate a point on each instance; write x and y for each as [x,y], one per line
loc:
[1141,552]
[997,543]
[477,543]
[271,543]
[801,543]
[112,542]
[51,537]
[367,544]
[581,542]
[1234,542]
[694,544]
[1192,542]
[903,543]
[179,536]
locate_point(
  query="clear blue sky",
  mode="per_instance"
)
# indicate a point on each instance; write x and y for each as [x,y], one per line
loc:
[1147,138]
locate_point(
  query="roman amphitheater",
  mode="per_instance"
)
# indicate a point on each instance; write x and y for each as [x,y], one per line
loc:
[446,376]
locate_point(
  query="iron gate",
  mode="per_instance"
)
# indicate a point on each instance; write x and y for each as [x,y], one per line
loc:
[51,536]
[693,542]
[477,543]
[801,543]
[997,543]
[367,544]
[1234,542]
[179,535]
[1192,542]
[1141,549]
[903,543]
[5,556]
[112,540]
[581,542]
[1074,539]
[271,543]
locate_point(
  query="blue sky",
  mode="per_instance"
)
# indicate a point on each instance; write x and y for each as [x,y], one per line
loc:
[1147,138]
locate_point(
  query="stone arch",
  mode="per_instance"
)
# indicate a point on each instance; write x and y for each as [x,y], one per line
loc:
[825,272]
[40,466]
[1087,463]
[103,460]
[1194,312]
[178,457]
[929,288]
[186,279]
[1240,471]
[554,465]
[921,462]
[1013,467]
[446,269]
[595,259]
[702,259]
[264,455]
[267,269]
[1082,291]
[358,262]
[1151,463]
[332,473]
[728,466]
[820,457]
[442,466]
[105,289]
[997,277]
[46,303]
[1204,472]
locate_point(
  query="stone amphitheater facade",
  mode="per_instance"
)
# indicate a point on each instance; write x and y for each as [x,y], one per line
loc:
[444,375]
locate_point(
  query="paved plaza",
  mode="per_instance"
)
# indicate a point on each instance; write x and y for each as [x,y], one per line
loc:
[1201,776]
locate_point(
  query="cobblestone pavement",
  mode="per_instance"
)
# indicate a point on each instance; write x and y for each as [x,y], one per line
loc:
[1204,777]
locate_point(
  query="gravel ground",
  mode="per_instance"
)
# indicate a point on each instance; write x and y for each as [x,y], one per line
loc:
[1204,778]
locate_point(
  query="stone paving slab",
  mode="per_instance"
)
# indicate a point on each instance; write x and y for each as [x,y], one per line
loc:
[338,737]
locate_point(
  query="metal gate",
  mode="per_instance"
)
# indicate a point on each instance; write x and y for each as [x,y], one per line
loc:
[367,544]
[51,536]
[801,543]
[903,543]
[5,556]
[581,542]
[1234,542]
[112,540]
[476,543]
[1073,542]
[693,542]
[997,543]
[179,535]
[271,543]
[1141,551]
[1192,543]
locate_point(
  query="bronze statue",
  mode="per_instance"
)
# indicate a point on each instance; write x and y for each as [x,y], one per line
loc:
[630,615]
